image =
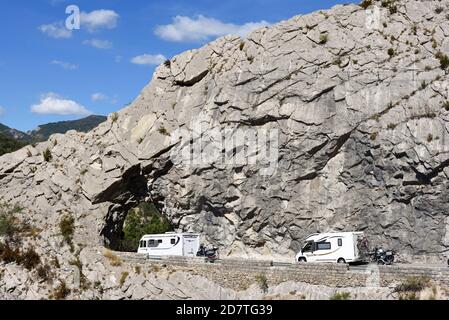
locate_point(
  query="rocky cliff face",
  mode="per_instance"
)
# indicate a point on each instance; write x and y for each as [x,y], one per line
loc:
[336,120]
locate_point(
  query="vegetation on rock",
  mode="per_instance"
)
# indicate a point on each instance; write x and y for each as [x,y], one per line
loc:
[341,296]
[67,229]
[411,288]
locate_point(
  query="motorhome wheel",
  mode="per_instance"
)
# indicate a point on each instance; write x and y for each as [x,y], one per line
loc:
[302,260]
[341,260]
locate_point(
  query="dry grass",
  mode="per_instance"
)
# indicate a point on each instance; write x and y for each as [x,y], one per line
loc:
[137,269]
[411,288]
[123,278]
[114,260]
[155,269]
[61,292]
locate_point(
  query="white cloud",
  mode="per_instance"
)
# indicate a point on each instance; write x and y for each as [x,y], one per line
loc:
[54,104]
[56,30]
[99,19]
[65,65]
[202,28]
[2,111]
[98,96]
[149,59]
[99,44]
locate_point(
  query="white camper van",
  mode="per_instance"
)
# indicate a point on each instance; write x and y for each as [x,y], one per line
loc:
[170,244]
[343,247]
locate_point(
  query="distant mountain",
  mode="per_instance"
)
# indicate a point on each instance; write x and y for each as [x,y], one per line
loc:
[43,132]
[14,134]
[12,139]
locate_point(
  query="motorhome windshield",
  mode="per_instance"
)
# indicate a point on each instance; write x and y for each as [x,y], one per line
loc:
[307,247]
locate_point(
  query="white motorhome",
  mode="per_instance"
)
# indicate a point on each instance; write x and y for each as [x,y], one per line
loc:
[170,244]
[342,247]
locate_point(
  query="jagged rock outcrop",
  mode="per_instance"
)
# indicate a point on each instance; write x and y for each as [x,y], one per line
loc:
[336,120]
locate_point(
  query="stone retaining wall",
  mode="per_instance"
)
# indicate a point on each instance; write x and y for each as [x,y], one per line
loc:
[239,274]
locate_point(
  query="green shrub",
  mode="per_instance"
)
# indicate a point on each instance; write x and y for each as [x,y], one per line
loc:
[67,229]
[10,227]
[163,131]
[324,38]
[391,126]
[47,155]
[434,44]
[366,3]
[341,296]
[390,4]
[444,60]
[375,117]
[393,9]
[7,225]
[137,269]
[423,85]
[262,281]
[390,52]
[337,62]
[8,145]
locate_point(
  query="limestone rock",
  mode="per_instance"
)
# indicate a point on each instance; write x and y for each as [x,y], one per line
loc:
[336,120]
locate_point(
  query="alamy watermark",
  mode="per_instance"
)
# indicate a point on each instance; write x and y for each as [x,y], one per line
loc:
[73,21]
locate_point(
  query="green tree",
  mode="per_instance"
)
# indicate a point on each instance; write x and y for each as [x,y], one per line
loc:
[145,219]
[8,145]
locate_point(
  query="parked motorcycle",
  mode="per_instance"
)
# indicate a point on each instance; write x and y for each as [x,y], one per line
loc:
[383,257]
[211,255]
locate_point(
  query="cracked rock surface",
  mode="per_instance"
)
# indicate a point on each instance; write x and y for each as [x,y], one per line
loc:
[357,112]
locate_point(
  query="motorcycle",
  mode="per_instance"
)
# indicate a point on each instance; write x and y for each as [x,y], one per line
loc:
[210,255]
[383,257]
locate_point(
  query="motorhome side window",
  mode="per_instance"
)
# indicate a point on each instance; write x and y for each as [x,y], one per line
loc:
[173,241]
[153,243]
[340,242]
[323,246]
[143,244]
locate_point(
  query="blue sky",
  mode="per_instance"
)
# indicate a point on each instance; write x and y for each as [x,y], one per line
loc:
[48,73]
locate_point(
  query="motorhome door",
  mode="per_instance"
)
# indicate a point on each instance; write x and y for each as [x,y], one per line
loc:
[190,246]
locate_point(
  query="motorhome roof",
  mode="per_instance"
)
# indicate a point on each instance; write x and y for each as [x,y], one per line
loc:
[170,234]
[331,234]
